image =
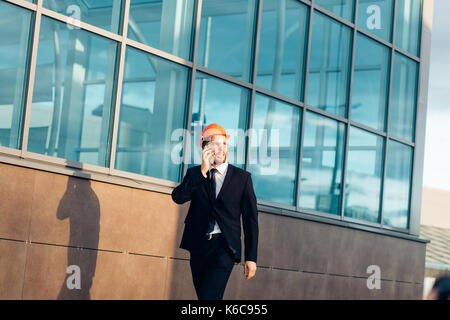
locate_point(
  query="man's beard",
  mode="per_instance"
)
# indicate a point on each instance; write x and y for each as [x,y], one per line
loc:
[220,162]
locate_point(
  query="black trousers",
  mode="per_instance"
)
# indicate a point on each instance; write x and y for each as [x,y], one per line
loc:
[211,269]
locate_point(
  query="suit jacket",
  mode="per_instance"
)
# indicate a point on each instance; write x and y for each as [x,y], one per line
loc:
[235,199]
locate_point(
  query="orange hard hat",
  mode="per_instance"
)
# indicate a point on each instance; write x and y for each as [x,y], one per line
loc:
[211,130]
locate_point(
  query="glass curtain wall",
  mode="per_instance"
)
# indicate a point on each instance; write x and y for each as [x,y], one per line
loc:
[376,17]
[370,83]
[219,101]
[274,150]
[329,65]
[282,47]
[152,23]
[103,14]
[226,35]
[153,105]
[73,94]
[314,110]
[322,164]
[15,27]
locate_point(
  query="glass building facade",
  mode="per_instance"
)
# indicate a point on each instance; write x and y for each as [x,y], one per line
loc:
[319,96]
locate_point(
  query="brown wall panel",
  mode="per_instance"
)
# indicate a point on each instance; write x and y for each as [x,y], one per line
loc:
[126,240]
[48,221]
[113,220]
[155,224]
[260,287]
[144,277]
[288,242]
[315,253]
[12,265]
[16,188]
[266,240]
[45,272]
[178,282]
[137,277]
[313,286]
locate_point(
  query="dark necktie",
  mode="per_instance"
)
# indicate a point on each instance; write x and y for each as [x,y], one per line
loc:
[212,174]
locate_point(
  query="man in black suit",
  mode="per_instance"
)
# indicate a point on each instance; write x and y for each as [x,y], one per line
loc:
[219,193]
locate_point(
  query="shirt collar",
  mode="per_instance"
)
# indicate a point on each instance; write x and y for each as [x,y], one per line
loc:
[222,168]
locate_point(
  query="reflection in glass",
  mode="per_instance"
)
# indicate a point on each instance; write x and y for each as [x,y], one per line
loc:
[73,94]
[364,174]
[165,25]
[322,160]
[397,185]
[403,97]
[15,39]
[226,36]
[104,14]
[342,8]
[408,25]
[218,101]
[274,150]
[329,65]
[282,47]
[153,106]
[370,82]
[375,16]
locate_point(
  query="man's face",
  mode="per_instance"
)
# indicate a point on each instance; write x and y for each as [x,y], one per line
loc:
[219,147]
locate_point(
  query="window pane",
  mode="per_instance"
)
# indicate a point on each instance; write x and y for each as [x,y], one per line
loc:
[218,101]
[376,17]
[226,36]
[364,174]
[282,47]
[73,94]
[342,8]
[153,106]
[329,65]
[370,82]
[397,185]
[165,25]
[403,97]
[323,154]
[15,39]
[274,150]
[408,25]
[104,13]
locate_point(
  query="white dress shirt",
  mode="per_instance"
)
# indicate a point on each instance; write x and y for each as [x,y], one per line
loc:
[220,177]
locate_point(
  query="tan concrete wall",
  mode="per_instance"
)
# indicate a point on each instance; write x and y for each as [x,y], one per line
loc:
[125,242]
[435,207]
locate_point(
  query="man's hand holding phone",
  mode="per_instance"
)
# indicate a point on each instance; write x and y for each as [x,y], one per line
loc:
[208,154]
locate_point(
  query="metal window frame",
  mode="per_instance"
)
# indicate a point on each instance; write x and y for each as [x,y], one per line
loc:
[253,87]
[347,128]
[22,157]
[420,119]
[187,147]
[30,79]
[118,91]
[388,116]
[305,95]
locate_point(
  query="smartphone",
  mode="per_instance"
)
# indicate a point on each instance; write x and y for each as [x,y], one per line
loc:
[206,142]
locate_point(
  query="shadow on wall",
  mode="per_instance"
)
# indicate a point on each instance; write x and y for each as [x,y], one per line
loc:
[81,206]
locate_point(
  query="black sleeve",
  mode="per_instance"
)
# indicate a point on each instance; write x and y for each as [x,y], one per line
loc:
[192,180]
[250,221]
